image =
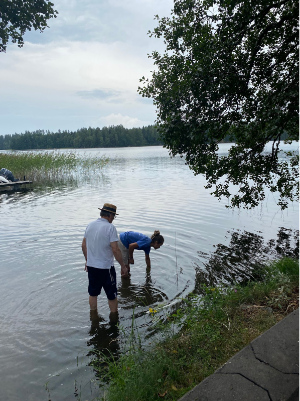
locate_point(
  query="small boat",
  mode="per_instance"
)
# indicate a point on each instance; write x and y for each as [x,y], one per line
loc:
[9,183]
[14,186]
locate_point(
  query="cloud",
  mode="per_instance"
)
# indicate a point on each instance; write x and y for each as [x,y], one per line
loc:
[126,121]
[103,21]
[70,85]
[100,94]
[86,70]
[112,96]
[85,67]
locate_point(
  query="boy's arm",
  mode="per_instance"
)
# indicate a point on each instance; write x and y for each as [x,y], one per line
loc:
[148,262]
[131,248]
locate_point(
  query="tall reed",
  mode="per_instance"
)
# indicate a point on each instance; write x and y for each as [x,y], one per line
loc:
[45,167]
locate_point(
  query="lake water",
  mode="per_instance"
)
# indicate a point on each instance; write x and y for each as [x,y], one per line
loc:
[46,338]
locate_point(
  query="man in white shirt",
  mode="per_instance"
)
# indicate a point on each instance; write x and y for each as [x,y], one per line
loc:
[100,246]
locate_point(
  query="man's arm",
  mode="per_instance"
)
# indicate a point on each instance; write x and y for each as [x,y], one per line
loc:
[148,262]
[118,256]
[84,251]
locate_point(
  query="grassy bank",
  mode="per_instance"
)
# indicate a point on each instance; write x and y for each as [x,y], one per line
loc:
[213,327]
[42,167]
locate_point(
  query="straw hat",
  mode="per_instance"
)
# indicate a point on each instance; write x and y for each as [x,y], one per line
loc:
[108,207]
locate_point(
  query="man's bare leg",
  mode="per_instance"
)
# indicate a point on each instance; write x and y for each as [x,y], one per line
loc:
[93,302]
[113,305]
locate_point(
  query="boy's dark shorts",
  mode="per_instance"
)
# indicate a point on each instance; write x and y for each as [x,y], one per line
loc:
[105,278]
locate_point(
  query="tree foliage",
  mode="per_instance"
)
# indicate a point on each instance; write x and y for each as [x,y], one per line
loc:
[19,16]
[230,68]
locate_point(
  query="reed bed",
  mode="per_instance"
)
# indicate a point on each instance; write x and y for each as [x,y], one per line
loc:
[51,166]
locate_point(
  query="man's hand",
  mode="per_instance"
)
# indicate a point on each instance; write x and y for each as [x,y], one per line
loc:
[85,267]
[131,260]
[119,258]
[124,272]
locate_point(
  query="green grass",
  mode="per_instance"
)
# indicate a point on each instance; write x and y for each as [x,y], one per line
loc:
[213,328]
[45,167]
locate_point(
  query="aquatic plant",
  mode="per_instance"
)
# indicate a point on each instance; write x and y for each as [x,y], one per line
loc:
[50,166]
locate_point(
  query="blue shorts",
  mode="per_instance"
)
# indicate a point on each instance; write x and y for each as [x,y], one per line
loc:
[105,278]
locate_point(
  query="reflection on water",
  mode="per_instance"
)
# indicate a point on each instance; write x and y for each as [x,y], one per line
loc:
[286,244]
[47,189]
[14,196]
[105,336]
[141,294]
[103,341]
[240,259]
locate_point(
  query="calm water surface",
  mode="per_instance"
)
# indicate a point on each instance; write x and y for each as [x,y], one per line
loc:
[46,338]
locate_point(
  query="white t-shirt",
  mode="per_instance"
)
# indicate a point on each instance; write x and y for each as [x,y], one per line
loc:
[99,234]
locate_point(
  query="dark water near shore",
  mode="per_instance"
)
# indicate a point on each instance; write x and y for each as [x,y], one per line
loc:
[46,337]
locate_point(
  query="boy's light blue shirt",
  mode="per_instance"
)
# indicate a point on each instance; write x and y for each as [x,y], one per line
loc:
[130,237]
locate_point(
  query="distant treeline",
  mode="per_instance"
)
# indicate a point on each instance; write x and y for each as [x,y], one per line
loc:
[106,137]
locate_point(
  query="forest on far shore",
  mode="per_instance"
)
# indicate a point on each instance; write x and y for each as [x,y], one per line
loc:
[106,137]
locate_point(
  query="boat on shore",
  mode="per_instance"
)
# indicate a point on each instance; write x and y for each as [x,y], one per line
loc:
[9,183]
[15,186]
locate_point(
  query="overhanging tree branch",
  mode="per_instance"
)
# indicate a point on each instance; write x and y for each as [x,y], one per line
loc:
[19,16]
[228,74]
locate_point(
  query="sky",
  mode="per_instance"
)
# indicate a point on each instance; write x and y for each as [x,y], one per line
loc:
[84,70]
